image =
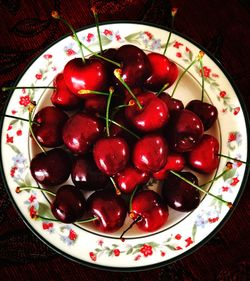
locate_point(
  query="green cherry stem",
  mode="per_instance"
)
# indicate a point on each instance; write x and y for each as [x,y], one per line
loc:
[229,204]
[118,75]
[202,78]
[87,92]
[234,159]
[216,178]
[56,15]
[4,89]
[173,13]
[19,118]
[93,9]
[29,187]
[111,91]
[117,190]
[162,89]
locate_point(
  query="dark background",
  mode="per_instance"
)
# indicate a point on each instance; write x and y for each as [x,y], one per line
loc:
[223,27]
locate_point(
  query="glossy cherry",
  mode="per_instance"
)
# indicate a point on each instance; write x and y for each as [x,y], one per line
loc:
[151,210]
[111,155]
[62,97]
[175,162]
[95,104]
[184,131]
[48,126]
[204,157]
[129,178]
[180,195]
[173,104]
[150,153]
[69,204]
[81,131]
[153,115]
[109,208]
[52,168]
[85,174]
[163,71]
[208,113]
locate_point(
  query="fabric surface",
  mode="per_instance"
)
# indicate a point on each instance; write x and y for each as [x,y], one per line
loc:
[223,27]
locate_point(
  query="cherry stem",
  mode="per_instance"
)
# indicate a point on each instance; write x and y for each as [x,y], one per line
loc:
[131,198]
[202,79]
[85,92]
[118,73]
[52,219]
[93,9]
[111,91]
[56,15]
[19,189]
[162,89]
[121,126]
[229,204]
[18,118]
[31,107]
[215,178]
[4,89]
[129,227]
[235,159]
[117,190]
[173,13]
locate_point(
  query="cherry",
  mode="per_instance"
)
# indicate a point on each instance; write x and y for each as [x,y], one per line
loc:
[173,104]
[151,210]
[48,125]
[62,97]
[111,155]
[135,65]
[69,204]
[204,157]
[109,208]
[152,116]
[175,162]
[150,153]
[91,75]
[163,71]
[129,178]
[81,131]
[184,131]
[85,174]
[179,194]
[95,104]
[207,112]
[52,168]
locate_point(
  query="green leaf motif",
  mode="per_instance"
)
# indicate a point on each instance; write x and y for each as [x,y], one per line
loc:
[14,148]
[194,230]
[44,210]
[133,36]
[129,251]
[230,174]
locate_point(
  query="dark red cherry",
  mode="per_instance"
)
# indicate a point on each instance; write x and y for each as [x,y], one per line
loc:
[150,153]
[153,115]
[52,168]
[184,131]
[180,195]
[207,112]
[69,204]
[204,157]
[163,71]
[95,104]
[109,208]
[50,121]
[81,131]
[62,97]
[173,104]
[111,155]
[85,174]
[134,64]
[175,162]
[149,206]
[129,178]
[91,75]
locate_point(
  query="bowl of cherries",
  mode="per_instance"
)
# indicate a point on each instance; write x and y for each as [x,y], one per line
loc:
[122,151]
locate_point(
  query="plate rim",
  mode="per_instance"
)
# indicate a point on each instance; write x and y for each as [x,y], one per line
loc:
[212,233]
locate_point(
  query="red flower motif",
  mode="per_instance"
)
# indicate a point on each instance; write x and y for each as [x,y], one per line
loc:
[9,127]
[212,220]
[116,252]
[32,198]
[206,71]
[13,112]
[179,55]
[47,225]
[177,237]
[189,241]
[9,139]
[89,37]
[39,76]
[187,49]
[70,52]
[236,110]
[177,44]
[118,37]
[163,254]
[33,212]
[232,137]
[234,181]
[107,32]
[24,100]
[238,163]
[92,256]
[178,248]
[72,235]
[47,56]
[137,257]
[222,94]
[100,242]
[12,171]
[146,250]
[225,188]
[149,35]
[215,75]
[19,132]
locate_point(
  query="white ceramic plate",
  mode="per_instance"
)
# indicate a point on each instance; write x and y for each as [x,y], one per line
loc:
[184,232]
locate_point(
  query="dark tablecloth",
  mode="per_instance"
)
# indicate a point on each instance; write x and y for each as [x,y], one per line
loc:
[223,27]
